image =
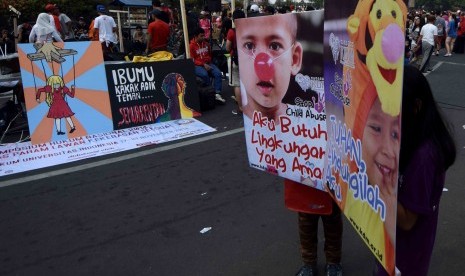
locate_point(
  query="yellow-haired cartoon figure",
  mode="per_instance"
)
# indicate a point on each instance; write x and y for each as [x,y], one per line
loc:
[174,87]
[55,93]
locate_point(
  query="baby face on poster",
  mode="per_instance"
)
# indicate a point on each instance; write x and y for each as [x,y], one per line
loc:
[268,56]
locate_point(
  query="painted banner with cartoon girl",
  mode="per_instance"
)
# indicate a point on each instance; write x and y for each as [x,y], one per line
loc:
[281,77]
[363,59]
[65,90]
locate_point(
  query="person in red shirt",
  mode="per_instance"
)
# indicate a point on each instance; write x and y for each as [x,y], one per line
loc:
[52,9]
[204,68]
[158,33]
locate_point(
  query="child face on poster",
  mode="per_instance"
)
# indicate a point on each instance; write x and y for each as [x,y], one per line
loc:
[268,56]
[380,150]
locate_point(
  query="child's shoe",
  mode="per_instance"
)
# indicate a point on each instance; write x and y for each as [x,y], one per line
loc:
[333,270]
[308,270]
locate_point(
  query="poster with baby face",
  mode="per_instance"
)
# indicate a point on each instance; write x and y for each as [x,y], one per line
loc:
[363,61]
[281,78]
[65,90]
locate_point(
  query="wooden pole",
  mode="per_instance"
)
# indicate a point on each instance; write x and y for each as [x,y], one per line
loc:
[15,30]
[120,29]
[233,8]
[184,28]
[15,24]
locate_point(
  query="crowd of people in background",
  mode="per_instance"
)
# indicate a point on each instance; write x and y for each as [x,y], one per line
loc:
[427,34]
[433,33]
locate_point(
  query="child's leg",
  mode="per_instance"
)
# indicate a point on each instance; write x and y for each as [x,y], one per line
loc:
[308,233]
[332,225]
[237,94]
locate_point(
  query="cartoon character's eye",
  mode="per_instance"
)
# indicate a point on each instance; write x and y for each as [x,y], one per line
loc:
[378,14]
[394,14]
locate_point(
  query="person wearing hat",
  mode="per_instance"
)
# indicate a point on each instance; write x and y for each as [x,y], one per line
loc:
[67,32]
[104,29]
[158,33]
[163,15]
[253,11]
[54,20]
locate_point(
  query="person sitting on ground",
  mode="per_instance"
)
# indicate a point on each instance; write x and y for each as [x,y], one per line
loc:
[204,68]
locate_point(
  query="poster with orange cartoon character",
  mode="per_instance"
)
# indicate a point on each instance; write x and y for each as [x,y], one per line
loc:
[363,59]
[65,90]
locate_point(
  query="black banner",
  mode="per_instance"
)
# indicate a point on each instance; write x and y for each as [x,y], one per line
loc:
[149,92]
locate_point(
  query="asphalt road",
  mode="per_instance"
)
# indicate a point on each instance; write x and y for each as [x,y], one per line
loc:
[143,216]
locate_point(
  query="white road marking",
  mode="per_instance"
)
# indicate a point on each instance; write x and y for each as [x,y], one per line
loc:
[205,230]
[434,68]
[117,159]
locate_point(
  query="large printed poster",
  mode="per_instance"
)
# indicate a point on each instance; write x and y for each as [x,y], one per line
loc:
[65,90]
[149,92]
[364,50]
[281,74]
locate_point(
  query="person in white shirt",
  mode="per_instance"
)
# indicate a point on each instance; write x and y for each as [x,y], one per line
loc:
[66,24]
[43,31]
[105,29]
[428,38]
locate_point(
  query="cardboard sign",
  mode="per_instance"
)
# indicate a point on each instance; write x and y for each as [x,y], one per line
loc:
[149,92]
[281,70]
[65,90]
[364,55]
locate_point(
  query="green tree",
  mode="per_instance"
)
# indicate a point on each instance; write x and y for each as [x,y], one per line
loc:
[31,9]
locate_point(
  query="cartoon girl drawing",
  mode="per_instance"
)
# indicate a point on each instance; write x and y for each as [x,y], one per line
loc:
[174,87]
[55,93]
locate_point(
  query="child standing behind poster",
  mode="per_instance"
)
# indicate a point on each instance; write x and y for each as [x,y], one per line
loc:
[270,56]
[311,205]
[427,151]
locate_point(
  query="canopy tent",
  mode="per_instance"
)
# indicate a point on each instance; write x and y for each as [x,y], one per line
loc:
[135,3]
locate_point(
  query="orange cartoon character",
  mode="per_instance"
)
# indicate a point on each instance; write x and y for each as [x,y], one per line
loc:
[376,29]
[374,80]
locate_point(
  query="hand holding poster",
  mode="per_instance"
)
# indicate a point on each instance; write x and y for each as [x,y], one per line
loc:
[364,44]
[280,65]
